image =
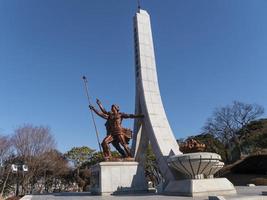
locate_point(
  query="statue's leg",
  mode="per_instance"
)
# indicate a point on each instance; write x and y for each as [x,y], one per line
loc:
[105,145]
[117,146]
[124,144]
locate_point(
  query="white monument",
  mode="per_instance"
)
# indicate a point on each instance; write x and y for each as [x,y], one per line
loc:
[184,174]
[155,126]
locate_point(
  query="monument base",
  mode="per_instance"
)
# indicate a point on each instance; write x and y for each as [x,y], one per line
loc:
[200,187]
[117,177]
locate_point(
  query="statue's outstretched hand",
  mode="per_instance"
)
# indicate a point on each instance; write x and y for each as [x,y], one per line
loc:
[98,101]
[138,116]
[91,107]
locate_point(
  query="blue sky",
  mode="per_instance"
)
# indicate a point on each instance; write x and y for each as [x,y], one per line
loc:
[209,53]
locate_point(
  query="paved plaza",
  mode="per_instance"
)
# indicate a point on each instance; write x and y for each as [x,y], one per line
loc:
[245,193]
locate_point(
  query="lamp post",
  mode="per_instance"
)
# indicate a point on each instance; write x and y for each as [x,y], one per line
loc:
[17,168]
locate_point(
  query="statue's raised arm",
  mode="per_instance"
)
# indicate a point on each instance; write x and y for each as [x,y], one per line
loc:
[101,114]
[101,106]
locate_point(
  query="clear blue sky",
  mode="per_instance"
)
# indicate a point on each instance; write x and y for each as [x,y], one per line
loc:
[208,54]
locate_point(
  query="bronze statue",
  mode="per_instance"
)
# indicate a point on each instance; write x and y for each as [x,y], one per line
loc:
[192,146]
[116,134]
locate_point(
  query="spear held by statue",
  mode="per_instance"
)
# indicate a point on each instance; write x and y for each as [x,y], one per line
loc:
[92,114]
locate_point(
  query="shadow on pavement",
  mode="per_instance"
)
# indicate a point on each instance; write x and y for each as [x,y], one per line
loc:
[76,194]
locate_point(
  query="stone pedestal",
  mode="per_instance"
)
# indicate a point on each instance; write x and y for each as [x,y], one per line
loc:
[199,168]
[200,187]
[117,177]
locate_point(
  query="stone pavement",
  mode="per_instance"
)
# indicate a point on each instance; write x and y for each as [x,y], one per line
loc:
[244,193]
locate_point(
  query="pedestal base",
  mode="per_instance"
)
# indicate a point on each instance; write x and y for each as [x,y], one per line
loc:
[200,187]
[117,177]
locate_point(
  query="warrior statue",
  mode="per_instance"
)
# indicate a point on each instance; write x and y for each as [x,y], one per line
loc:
[116,134]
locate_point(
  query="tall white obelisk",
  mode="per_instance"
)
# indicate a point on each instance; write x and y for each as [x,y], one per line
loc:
[155,126]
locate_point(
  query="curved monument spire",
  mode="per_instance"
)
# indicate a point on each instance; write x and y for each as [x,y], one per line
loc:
[154,128]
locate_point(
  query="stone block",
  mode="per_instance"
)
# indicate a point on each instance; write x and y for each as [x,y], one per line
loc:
[200,187]
[117,177]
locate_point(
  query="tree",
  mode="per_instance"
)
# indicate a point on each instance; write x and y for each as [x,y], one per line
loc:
[152,171]
[226,123]
[79,156]
[256,137]
[97,157]
[31,143]
[5,148]
[30,140]
[55,168]
[5,153]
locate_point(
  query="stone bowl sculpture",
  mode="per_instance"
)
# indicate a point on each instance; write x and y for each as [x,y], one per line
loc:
[196,165]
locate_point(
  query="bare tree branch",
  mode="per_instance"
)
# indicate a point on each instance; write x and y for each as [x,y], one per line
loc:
[226,122]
